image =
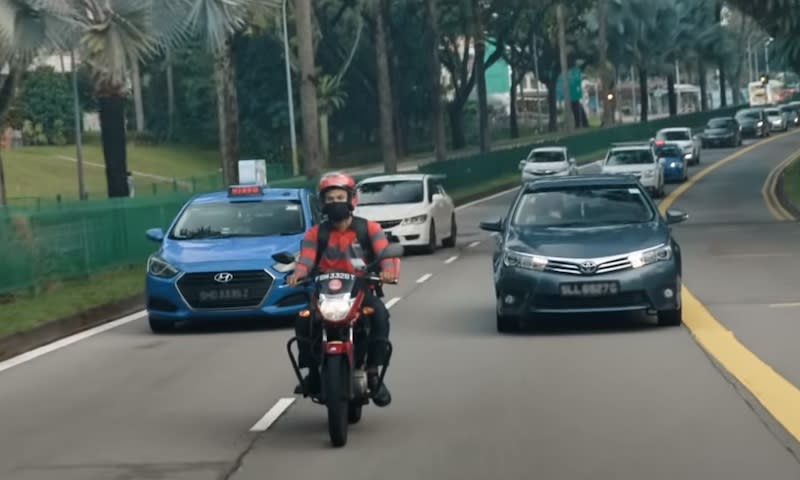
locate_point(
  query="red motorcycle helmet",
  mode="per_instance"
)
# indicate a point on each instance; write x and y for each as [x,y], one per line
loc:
[339,180]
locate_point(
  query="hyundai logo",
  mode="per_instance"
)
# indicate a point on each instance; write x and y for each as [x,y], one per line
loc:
[588,267]
[223,277]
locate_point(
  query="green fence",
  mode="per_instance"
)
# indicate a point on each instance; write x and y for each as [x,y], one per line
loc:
[58,240]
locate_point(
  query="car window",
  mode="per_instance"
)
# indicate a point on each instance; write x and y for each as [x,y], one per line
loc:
[773,112]
[669,151]
[719,123]
[583,206]
[751,114]
[674,135]
[629,157]
[390,192]
[546,157]
[240,219]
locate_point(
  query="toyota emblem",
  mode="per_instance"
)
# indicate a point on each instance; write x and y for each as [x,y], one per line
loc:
[588,267]
[223,277]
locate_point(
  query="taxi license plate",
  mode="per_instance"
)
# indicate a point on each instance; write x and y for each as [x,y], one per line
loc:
[216,294]
[589,289]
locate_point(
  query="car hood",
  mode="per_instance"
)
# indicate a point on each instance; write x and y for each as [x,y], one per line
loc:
[378,213]
[589,242]
[671,158]
[531,167]
[748,122]
[231,253]
[717,131]
[641,167]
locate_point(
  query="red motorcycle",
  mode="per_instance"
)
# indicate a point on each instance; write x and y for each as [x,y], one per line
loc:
[336,302]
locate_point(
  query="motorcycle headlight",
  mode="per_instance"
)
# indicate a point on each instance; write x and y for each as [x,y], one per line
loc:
[285,267]
[524,260]
[335,308]
[158,267]
[651,255]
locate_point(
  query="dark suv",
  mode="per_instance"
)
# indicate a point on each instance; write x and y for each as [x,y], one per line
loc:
[722,131]
[753,122]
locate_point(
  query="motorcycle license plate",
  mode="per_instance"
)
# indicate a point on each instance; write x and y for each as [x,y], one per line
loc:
[589,289]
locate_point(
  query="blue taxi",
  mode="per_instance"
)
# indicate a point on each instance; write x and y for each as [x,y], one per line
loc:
[215,260]
[673,161]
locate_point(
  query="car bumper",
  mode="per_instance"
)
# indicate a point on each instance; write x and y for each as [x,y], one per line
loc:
[521,292]
[715,141]
[751,130]
[529,176]
[411,235]
[165,300]
[674,173]
[777,127]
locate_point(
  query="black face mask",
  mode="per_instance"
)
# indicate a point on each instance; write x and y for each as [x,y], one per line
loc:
[337,211]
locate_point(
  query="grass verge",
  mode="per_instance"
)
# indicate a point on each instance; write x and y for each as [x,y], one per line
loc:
[790,184]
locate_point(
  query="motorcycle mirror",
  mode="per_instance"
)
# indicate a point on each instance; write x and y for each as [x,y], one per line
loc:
[283,257]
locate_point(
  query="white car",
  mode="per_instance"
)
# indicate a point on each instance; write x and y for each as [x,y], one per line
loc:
[638,160]
[776,120]
[682,137]
[413,207]
[546,162]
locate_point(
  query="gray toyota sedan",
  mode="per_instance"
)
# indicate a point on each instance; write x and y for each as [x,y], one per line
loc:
[584,244]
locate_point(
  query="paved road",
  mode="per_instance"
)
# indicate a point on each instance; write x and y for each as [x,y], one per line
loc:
[614,399]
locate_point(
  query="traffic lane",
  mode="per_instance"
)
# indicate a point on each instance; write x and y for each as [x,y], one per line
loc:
[732,193]
[742,263]
[638,401]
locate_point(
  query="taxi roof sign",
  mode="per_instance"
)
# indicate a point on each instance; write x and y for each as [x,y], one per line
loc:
[245,191]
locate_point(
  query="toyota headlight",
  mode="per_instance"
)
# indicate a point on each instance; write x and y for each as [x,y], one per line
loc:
[158,267]
[417,220]
[285,267]
[335,308]
[641,258]
[648,173]
[688,156]
[524,260]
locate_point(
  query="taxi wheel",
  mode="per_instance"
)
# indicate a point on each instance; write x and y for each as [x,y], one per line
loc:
[161,326]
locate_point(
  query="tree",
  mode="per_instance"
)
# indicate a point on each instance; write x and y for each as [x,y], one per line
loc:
[437,100]
[308,89]
[379,10]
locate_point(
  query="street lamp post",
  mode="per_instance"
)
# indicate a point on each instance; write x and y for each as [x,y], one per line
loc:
[766,55]
[78,132]
[290,99]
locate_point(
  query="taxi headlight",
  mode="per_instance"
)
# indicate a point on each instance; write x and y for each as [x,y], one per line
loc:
[527,261]
[335,308]
[285,267]
[158,267]
[641,258]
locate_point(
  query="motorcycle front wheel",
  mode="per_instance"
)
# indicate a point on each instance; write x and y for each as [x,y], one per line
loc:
[336,398]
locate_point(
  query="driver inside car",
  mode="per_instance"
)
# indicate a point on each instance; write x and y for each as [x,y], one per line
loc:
[338,195]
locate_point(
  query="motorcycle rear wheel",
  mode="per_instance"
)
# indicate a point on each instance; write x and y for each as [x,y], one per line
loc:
[336,399]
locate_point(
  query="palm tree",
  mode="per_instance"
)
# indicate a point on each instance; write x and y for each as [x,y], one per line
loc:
[26,29]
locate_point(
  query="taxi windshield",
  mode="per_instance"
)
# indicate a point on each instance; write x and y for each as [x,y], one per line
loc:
[239,219]
[629,157]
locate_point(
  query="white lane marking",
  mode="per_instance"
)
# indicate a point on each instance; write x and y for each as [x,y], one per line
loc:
[273,414]
[424,278]
[66,341]
[392,302]
[473,244]
[451,259]
[785,305]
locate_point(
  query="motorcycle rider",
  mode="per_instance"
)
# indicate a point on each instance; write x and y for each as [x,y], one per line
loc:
[338,195]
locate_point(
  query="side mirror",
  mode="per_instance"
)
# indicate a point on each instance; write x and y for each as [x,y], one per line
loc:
[494,224]
[394,250]
[155,234]
[572,161]
[676,216]
[662,160]
[436,197]
[285,258]
[653,140]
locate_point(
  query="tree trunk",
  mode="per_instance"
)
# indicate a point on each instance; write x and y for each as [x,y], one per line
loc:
[455,111]
[138,104]
[228,113]
[8,91]
[325,141]
[3,195]
[672,99]
[569,118]
[384,90]
[112,133]
[398,112]
[480,76]
[308,89]
[170,97]
[643,94]
[439,140]
[723,86]
[552,106]
[605,72]
[512,116]
[703,81]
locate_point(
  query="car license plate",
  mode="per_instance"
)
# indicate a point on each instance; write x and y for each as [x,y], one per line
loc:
[589,289]
[223,294]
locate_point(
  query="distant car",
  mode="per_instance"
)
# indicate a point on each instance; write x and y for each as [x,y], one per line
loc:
[683,137]
[776,120]
[791,114]
[722,131]
[547,161]
[639,161]
[585,244]
[673,162]
[413,207]
[214,262]
[753,122]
